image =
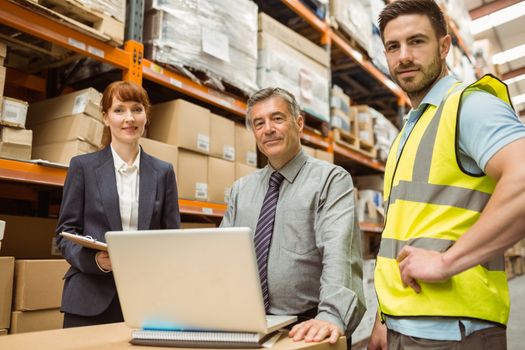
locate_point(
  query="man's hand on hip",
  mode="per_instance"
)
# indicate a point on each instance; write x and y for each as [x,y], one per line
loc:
[315,331]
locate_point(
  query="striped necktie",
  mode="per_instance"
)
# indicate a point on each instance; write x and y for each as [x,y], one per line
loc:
[264,230]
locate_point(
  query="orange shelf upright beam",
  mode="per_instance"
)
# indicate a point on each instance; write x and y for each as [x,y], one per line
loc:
[368,66]
[136,56]
[308,15]
[30,22]
[182,84]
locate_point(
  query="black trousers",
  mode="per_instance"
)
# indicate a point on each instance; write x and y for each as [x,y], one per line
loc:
[308,315]
[112,314]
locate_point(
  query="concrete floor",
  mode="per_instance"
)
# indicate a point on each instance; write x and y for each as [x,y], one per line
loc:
[516,326]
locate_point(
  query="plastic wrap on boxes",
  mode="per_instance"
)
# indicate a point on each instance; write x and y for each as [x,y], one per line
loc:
[282,66]
[354,18]
[385,133]
[377,52]
[217,37]
[113,8]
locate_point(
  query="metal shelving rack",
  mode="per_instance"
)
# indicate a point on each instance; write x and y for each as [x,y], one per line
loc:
[136,68]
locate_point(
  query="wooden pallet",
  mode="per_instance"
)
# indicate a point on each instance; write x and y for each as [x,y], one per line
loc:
[367,148]
[345,138]
[79,17]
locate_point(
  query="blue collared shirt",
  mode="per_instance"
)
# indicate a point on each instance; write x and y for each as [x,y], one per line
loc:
[486,125]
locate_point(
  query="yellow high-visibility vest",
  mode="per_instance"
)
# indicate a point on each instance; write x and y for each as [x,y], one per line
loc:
[431,202]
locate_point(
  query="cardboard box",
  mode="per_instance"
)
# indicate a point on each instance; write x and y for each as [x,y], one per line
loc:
[365,124]
[33,321]
[29,237]
[273,27]
[15,143]
[3,53]
[74,127]
[181,123]
[85,101]
[245,146]
[192,175]
[2,79]
[222,137]
[38,284]
[339,100]
[242,170]
[221,175]
[7,268]
[309,150]
[161,150]
[13,112]
[323,155]
[62,152]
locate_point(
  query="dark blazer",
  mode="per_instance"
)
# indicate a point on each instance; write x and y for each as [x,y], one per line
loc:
[90,206]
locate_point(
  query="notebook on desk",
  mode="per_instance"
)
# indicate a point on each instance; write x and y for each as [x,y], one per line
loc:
[191,282]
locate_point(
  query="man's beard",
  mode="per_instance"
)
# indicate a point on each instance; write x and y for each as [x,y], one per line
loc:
[414,87]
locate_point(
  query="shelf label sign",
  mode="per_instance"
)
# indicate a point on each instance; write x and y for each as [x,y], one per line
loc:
[207,211]
[201,191]
[228,153]
[251,158]
[76,43]
[175,82]
[216,44]
[203,142]
[96,52]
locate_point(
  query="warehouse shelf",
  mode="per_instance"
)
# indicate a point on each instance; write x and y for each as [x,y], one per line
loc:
[356,156]
[20,171]
[173,80]
[30,22]
[329,37]
[371,227]
[54,175]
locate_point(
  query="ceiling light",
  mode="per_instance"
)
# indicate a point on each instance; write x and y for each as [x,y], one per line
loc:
[509,55]
[514,79]
[497,18]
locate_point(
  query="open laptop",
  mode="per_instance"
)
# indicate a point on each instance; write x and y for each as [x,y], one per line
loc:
[190,279]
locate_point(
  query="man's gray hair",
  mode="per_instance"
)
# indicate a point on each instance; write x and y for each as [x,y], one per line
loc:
[266,93]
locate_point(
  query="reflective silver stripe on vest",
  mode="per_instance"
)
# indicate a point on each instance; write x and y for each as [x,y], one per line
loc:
[440,194]
[390,248]
[425,149]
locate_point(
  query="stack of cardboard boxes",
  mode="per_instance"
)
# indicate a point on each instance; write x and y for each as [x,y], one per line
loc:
[212,151]
[289,60]
[15,140]
[37,295]
[66,126]
[30,290]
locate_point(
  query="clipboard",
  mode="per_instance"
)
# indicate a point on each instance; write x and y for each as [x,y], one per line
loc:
[85,241]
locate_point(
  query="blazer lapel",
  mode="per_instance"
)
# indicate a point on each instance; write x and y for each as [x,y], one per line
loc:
[147,191]
[107,187]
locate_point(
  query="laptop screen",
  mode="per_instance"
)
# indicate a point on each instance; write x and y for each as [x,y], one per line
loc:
[204,279]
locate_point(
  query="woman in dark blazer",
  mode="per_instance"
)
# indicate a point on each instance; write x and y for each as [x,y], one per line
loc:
[118,188]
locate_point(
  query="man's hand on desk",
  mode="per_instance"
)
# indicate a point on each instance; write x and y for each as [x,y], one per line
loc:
[315,331]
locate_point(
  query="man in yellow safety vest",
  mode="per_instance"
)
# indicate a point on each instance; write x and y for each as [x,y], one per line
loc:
[454,196]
